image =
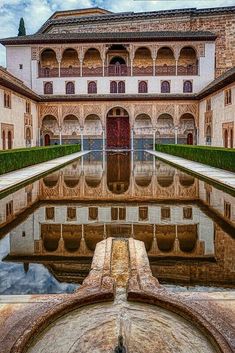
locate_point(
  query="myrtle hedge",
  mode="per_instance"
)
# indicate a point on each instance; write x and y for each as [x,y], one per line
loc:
[23,157]
[219,157]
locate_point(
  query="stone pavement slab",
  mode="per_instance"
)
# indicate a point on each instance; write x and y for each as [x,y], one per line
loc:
[217,175]
[20,176]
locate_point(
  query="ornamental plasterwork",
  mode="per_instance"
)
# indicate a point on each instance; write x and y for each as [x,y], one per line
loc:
[188,108]
[49,110]
[143,109]
[94,109]
[165,109]
[71,110]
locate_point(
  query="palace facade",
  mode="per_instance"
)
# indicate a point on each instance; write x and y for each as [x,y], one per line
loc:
[121,80]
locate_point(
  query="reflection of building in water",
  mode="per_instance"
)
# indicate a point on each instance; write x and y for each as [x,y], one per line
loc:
[125,179]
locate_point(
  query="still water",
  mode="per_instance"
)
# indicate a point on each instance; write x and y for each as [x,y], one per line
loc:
[49,228]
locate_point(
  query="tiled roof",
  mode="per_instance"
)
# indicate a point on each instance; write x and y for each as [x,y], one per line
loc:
[220,82]
[9,81]
[110,36]
[135,16]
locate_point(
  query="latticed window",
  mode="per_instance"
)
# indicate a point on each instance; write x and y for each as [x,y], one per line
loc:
[227,209]
[93,213]
[208,104]
[7,100]
[188,87]
[165,87]
[113,87]
[143,213]
[143,87]
[70,88]
[121,87]
[165,213]
[50,213]
[92,87]
[48,88]
[187,212]
[71,213]
[228,96]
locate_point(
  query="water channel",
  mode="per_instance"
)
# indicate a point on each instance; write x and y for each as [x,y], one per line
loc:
[50,228]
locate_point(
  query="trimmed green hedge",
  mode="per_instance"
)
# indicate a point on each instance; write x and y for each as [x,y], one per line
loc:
[23,157]
[219,157]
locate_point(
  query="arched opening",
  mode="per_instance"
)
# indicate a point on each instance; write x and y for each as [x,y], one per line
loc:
[70,65]
[48,65]
[142,63]
[51,180]
[143,178]
[187,63]
[187,129]
[186,180]
[143,87]
[208,135]
[3,140]
[118,177]
[118,129]
[92,63]
[187,87]
[231,138]
[93,234]
[72,237]
[70,88]
[70,129]
[187,236]
[165,176]
[9,140]
[225,138]
[121,87]
[92,87]
[48,88]
[50,130]
[117,57]
[165,62]
[28,137]
[50,234]
[165,87]
[165,235]
[93,133]
[113,87]
[165,128]
[143,125]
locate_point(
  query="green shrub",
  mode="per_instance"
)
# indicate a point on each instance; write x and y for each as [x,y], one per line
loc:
[23,157]
[218,157]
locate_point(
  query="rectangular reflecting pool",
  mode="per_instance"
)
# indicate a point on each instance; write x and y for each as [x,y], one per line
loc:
[50,228]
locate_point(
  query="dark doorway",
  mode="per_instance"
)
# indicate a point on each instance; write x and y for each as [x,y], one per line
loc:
[47,140]
[190,139]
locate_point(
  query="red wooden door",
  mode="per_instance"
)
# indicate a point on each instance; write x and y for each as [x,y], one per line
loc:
[118,132]
[47,140]
[190,139]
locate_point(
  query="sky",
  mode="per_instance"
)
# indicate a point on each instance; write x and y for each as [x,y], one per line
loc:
[36,12]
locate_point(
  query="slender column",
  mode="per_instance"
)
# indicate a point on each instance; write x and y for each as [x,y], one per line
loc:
[81,138]
[103,137]
[81,62]
[176,67]
[154,67]
[154,138]
[176,135]
[59,68]
[132,139]
[103,67]
[60,136]
[131,67]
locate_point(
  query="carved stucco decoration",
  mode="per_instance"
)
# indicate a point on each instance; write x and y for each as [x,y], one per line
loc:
[165,109]
[191,108]
[71,110]
[48,110]
[143,109]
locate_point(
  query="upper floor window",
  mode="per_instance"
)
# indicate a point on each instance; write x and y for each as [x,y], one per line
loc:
[117,87]
[208,104]
[165,87]
[70,88]
[227,209]
[228,96]
[143,87]
[121,87]
[28,107]
[188,87]
[48,88]
[7,99]
[92,87]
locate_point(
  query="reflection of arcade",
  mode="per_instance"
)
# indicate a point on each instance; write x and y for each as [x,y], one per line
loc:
[118,172]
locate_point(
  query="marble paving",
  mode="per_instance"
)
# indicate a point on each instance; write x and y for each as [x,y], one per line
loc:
[217,175]
[17,177]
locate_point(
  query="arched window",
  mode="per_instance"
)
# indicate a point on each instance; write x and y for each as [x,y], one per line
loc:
[188,87]
[92,87]
[70,88]
[165,87]
[143,87]
[113,87]
[48,88]
[121,87]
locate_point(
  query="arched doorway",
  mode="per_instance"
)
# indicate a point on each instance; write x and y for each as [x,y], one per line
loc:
[118,129]
[47,140]
[9,136]
[190,139]
[28,137]
[231,138]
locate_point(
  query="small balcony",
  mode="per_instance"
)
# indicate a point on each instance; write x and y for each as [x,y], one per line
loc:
[165,70]
[47,72]
[143,71]
[69,71]
[118,70]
